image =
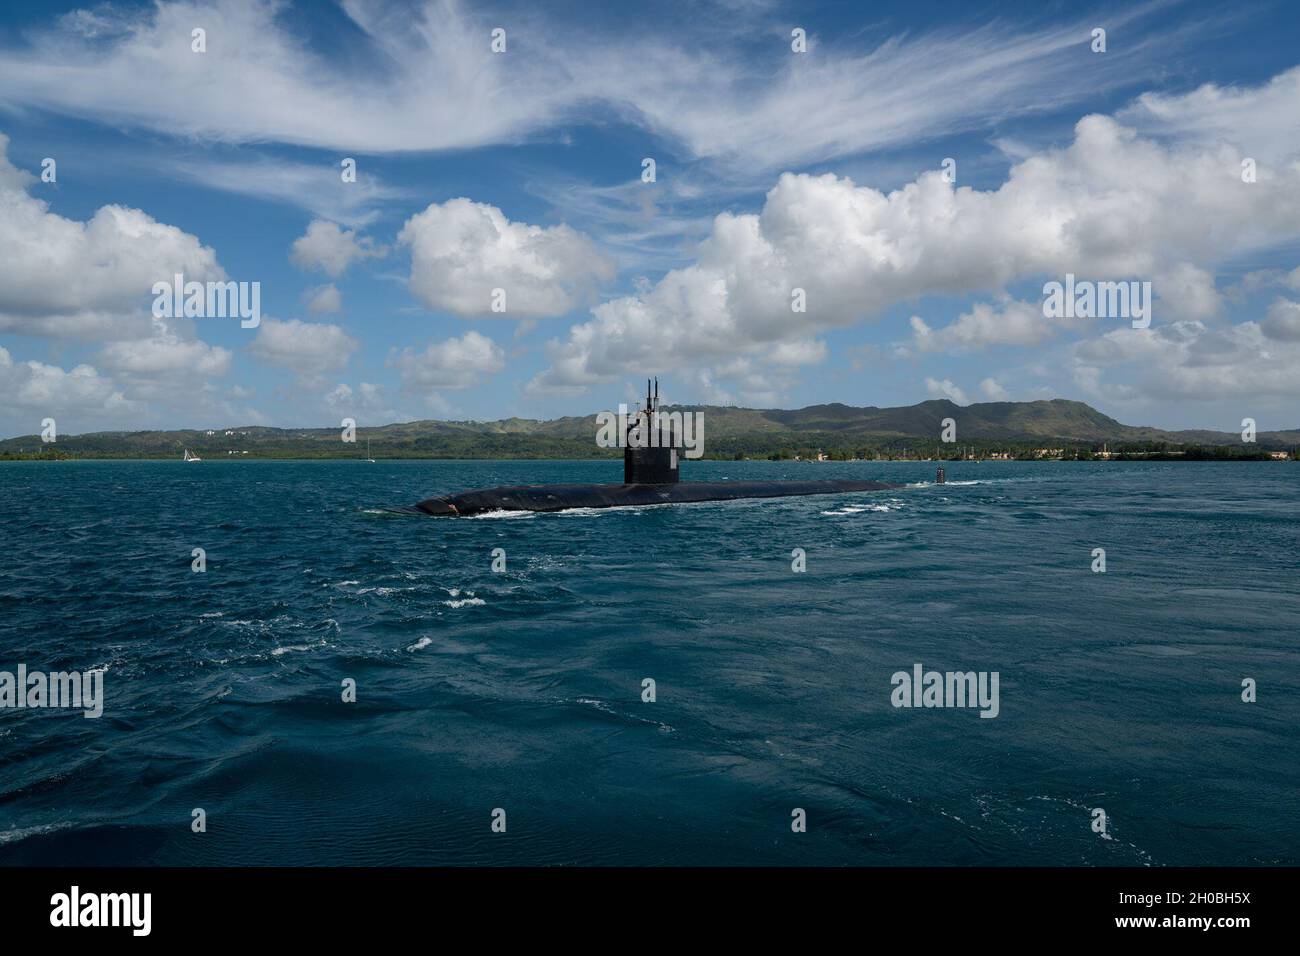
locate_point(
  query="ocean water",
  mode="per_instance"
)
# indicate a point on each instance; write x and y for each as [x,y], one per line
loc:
[522,690]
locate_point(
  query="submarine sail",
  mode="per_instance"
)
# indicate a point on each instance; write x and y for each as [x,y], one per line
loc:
[652,456]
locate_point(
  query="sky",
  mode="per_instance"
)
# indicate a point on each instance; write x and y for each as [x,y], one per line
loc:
[857,203]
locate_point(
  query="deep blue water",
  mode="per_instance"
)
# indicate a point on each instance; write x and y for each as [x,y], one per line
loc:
[522,690]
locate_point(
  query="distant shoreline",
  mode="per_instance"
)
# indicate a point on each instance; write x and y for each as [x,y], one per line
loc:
[936,429]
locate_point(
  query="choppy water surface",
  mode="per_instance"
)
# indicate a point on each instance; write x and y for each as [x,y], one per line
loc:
[522,690]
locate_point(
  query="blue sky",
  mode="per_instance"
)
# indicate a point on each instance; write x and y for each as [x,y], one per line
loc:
[522,170]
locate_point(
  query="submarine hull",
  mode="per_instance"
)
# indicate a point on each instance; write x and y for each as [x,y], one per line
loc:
[560,497]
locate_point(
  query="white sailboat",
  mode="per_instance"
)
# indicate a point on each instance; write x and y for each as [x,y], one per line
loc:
[189,457]
[368,458]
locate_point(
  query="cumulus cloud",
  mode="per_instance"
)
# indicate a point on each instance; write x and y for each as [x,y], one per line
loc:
[165,355]
[368,402]
[993,391]
[1282,322]
[454,364]
[798,352]
[70,279]
[11,177]
[327,248]
[1190,360]
[324,299]
[93,280]
[311,349]
[461,251]
[1107,206]
[756,382]
[985,325]
[945,388]
[129,386]
[706,388]
[1184,291]
[48,390]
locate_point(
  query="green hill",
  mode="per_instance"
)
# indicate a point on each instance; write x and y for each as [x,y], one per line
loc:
[1017,428]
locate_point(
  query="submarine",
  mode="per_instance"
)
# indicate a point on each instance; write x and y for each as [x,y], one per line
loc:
[651,476]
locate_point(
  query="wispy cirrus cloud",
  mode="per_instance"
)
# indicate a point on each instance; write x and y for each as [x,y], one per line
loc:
[423,78]
[316,187]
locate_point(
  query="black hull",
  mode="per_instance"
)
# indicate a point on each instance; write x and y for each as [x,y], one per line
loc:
[560,497]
